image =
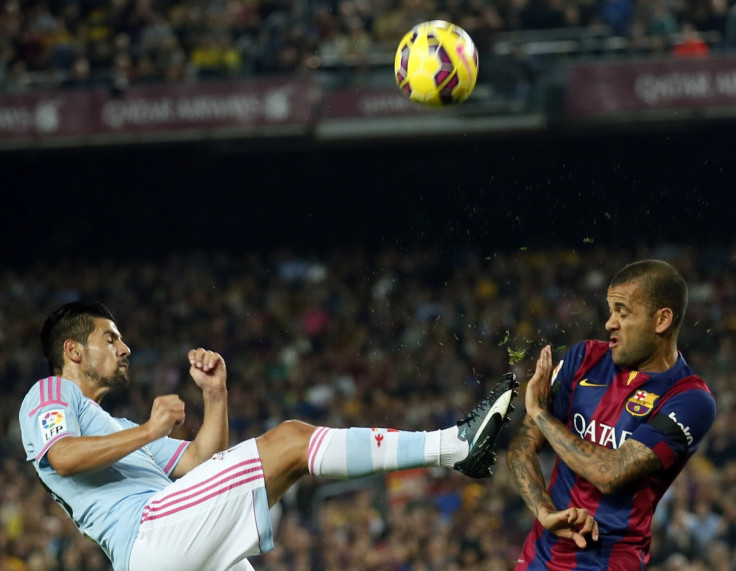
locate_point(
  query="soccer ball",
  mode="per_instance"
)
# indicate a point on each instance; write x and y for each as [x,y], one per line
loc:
[436,64]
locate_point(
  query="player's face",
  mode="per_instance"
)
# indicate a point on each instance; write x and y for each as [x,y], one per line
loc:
[106,356]
[631,326]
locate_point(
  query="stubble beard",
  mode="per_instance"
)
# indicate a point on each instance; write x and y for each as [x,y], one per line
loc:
[118,381]
[633,357]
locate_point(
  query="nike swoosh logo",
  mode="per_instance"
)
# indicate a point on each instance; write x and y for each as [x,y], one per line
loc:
[585,383]
[480,431]
[499,408]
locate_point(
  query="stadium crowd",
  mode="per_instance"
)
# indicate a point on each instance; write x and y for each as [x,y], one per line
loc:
[82,43]
[408,339]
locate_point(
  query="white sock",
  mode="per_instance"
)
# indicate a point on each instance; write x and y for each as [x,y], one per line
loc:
[356,452]
[452,449]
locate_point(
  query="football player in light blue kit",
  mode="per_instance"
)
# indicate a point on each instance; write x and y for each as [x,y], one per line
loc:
[155,502]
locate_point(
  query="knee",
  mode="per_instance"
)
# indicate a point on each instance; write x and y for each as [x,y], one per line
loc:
[295,429]
[284,448]
[290,434]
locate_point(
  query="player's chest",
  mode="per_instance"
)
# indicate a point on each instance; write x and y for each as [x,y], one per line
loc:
[95,421]
[607,408]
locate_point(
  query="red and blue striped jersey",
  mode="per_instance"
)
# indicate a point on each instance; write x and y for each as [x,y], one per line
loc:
[670,412]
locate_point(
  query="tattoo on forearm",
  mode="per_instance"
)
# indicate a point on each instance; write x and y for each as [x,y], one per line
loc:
[525,470]
[607,469]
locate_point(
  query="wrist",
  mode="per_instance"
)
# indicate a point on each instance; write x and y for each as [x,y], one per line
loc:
[147,433]
[213,394]
[543,510]
[534,413]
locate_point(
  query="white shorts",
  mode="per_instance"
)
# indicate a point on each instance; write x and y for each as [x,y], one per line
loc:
[209,520]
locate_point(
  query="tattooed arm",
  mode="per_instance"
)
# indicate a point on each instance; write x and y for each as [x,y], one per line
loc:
[607,469]
[523,465]
[526,473]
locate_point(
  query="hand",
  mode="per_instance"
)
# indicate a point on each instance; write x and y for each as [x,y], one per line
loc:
[536,398]
[166,413]
[208,370]
[572,523]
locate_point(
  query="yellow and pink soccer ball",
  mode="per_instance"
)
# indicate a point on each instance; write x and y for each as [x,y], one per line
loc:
[436,64]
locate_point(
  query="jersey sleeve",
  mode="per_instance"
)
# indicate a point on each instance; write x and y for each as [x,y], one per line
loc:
[166,451]
[562,379]
[49,412]
[679,426]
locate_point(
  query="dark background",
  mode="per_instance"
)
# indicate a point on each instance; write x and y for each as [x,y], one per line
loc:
[604,185]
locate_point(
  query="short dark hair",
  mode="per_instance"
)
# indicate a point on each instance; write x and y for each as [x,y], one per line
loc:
[73,320]
[662,285]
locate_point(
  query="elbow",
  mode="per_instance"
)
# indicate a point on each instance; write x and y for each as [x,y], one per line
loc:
[61,463]
[609,485]
[605,487]
[63,469]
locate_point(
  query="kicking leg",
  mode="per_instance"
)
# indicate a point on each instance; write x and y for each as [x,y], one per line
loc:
[294,449]
[283,452]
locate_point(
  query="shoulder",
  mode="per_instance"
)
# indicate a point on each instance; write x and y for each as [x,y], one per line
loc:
[48,413]
[590,348]
[691,406]
[583,355]
[51,391]
[687,387]
[691,392]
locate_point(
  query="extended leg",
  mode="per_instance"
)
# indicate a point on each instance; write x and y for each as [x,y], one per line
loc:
[294,448]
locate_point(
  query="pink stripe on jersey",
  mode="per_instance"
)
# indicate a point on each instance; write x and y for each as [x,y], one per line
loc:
[175,457]
[315,442]
[51,394]
[177,502]
[50,442]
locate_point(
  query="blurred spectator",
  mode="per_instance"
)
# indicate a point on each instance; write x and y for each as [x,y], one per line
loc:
[729,32]
[617,15]
[80,74]
[690,44]
[706,525]
[42,43]
[540,14]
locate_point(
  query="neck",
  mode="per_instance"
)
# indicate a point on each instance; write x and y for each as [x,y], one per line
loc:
[91,389]
[662,360]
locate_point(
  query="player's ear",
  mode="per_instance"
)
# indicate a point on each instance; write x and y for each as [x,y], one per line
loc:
[663,320]
[73,350]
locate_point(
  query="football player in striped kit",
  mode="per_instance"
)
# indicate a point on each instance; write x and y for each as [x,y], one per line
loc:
[623,416]
[156,502]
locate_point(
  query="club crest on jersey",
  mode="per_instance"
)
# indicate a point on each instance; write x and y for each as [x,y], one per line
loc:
[641,403]
[52,423]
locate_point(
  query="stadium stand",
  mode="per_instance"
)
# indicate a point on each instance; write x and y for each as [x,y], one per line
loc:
[348,338]
[83,43]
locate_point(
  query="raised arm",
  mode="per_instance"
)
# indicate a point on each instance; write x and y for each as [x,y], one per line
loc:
[526,473]
[607,469]
[210,374]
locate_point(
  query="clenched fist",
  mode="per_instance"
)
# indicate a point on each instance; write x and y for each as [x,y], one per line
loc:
[166,413]
[208,370]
